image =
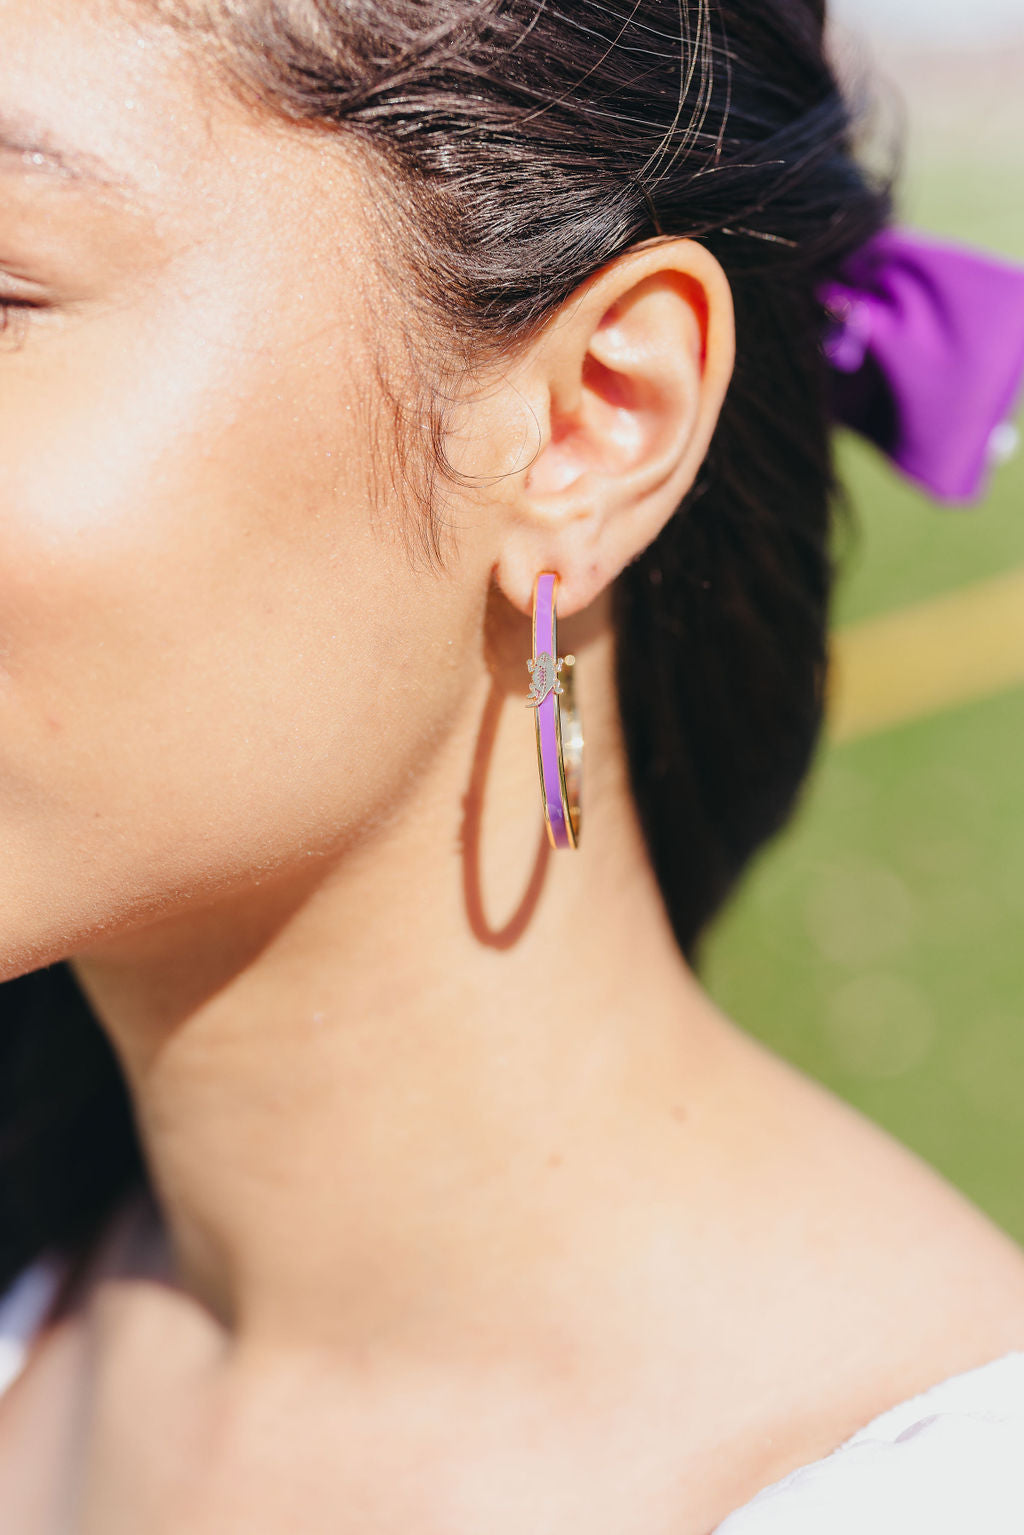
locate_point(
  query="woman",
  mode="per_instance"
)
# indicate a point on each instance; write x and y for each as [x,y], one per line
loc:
[396,1170]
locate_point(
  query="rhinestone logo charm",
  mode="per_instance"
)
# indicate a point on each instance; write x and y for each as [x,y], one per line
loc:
[544,671]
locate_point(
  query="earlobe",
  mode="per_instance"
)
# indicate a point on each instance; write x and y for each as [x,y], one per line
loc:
[627,383]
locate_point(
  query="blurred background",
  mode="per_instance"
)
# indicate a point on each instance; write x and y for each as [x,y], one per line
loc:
[879,943]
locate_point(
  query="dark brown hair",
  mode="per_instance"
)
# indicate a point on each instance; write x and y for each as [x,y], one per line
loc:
[523,145]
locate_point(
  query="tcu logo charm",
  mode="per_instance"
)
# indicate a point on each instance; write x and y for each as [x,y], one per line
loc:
[544,671]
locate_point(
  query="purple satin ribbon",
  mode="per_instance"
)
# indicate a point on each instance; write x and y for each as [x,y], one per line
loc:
[927,355]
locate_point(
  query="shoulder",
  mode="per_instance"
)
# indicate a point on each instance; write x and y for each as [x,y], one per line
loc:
[850,1277]
[949,1460]
[866,1224]
[24,1305]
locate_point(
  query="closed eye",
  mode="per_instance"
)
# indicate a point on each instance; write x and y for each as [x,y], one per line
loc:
[15,317]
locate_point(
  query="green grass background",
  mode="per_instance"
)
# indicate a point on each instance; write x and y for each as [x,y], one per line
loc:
[878,942]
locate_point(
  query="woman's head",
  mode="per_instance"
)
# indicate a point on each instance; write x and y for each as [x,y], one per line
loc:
[332,318]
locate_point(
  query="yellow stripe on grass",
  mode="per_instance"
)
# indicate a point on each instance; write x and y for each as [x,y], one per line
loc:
[928,657]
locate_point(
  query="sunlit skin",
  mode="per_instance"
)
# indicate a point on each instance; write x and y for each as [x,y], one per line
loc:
[478,1214]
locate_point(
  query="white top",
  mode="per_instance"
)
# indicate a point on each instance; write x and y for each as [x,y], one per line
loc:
[949,1461]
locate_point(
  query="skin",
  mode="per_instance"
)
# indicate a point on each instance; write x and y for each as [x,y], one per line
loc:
[469,1197]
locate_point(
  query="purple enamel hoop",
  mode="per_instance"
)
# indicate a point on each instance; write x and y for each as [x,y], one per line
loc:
[559,730]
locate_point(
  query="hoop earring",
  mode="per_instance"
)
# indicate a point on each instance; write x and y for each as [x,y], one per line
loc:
[557,717]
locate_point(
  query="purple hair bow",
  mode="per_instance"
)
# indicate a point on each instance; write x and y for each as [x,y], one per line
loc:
[927,355]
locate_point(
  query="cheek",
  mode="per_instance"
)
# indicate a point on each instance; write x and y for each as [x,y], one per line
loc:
[205,639]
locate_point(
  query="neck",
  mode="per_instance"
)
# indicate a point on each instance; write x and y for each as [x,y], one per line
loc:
[365,1099]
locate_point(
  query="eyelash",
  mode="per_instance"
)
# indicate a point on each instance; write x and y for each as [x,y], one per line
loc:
[14,318]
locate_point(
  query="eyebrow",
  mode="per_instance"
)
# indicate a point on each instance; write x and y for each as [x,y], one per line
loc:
[33,151]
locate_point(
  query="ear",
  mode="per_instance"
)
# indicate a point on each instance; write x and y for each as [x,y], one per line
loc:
[624,386]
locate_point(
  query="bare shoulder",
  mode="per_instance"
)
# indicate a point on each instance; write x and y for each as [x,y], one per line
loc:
[37,1414]
[129,1351]
[878,1277]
